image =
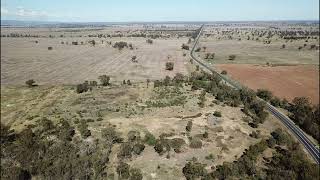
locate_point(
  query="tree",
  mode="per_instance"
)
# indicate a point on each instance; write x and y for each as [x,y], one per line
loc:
[129,82]
[189,126]
[148,81]
[217,114]
[169,66]
[104,79]
[135,174]
[123,169]
[202,99]
[82,88]
[84,131]
[264,94]
[30,83]
[193,170]
[149,41]
[275,101]
[232,57]
[186,47]
[224,72]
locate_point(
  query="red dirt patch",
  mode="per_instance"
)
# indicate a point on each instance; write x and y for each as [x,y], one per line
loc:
[284,81]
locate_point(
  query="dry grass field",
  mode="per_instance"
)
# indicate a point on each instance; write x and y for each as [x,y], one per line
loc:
[23,59]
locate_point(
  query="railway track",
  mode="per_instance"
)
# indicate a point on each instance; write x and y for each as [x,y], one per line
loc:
[300,135]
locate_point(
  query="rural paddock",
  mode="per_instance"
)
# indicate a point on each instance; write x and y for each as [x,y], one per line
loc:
[284,81]
[23,59]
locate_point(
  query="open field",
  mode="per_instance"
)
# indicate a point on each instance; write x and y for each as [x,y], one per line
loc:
[284,81]
[252,52]
[261,44]
[23,59]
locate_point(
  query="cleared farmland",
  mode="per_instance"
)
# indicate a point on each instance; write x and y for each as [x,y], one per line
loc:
[23,59]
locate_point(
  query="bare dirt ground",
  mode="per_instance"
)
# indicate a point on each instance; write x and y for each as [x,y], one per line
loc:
[284,81]
[23,59]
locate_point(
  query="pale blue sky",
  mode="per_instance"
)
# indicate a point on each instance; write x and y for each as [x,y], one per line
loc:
[160,10]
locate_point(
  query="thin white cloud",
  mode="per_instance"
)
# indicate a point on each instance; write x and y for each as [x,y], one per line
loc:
[4,11]
[22,12]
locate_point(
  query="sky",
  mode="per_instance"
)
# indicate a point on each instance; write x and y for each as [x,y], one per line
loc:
[158,10]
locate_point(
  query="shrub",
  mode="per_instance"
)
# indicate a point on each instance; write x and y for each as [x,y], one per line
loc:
[30,83]
[83,128]
[162,146]
[109,134]
[129,82]
[149,139]
[217,114]
[134,136]
[135,174]
[50,48]
[105,80]
[176,144]
[195,143]
[224,72]
[66,131]
[125,150]
[169,66]
[189,126]
[232,57]
[123,169]
[149,41]
[138,148]
[198,49]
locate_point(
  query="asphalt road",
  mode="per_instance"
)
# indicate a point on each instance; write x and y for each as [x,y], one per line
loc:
[303,139]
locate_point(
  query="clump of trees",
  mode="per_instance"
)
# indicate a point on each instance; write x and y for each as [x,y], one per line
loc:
[83,87]
[306,116]
[169,66]
[209,56]
[120,45]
